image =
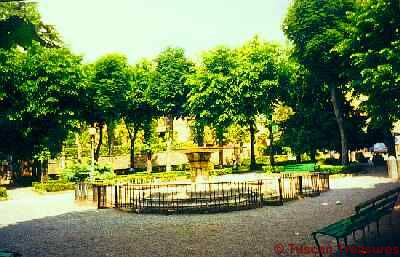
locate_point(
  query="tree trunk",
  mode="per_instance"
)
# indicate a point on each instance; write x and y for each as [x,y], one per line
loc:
[79,147]
[298,158]
[389,142]
[221,156]
[170,131]
[110,137]
[253,164]
[149,164]
[313,154]
[339,119]
[44,171]
[97,153]
[133,138]
[271,146]
[170,127]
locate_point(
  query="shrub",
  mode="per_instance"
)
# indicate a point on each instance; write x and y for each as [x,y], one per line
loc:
[273,169]
[336,169]
[332,169]
[53,186]
[3,193]
[76,173]
[281,158]
[220,172]
[81,172]
[330,161]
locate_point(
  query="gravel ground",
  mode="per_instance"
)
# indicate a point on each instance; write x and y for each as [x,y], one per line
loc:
[52,225]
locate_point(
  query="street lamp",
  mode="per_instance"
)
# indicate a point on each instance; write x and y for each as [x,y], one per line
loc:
[92,133]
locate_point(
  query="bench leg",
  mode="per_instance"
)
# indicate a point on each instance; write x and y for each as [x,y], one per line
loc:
[317,243]
[363,230]
[377,227]
[354,235]
[338,244]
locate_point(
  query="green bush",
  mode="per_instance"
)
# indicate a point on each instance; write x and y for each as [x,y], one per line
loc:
[273,169]
[332,169]
[281,158]
[81,172]
[336,169]
[53,186]
[3,193]
[76,173]
[220,172]
[330,161]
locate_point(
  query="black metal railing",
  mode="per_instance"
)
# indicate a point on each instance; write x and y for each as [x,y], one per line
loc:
[203,197]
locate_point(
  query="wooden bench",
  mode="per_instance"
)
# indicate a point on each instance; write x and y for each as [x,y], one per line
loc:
[365,213]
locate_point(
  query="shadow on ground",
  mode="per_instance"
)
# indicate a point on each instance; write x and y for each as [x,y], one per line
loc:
[100,233]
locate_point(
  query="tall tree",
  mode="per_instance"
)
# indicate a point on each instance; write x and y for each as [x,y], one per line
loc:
[169,92]
[316,27]
[139,110]
[255,86]
[210,100]
[40,93]
[21,24]
[373,46]
[110,82]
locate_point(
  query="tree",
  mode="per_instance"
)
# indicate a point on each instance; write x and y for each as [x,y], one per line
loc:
[255,86]
[315,28]
[40,100]
[20,24]
[373,45]
[210,100]
[169,91]
[139,111]
[110,81]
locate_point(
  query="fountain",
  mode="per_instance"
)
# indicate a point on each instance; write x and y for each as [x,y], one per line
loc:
[199,161]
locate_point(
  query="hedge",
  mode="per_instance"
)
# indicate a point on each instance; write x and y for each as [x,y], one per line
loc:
[53,186]
[220,172]
[3,193]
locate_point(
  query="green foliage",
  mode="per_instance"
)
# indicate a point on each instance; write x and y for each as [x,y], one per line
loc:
[110,81]
[76,173]
[3,193]
[373,48]
[316,28]
[81,172]
[220,172]
[20,24]
[169,92]
[210,99]
[53,186]
[273,169]
[337,169]
[40,99]
[256,84]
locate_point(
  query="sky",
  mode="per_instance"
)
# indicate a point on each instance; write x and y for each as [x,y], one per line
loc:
[143,28]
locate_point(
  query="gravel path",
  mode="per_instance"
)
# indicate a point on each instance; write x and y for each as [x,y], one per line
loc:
[51,225]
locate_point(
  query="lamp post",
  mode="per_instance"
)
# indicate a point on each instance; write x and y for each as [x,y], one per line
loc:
[92,133]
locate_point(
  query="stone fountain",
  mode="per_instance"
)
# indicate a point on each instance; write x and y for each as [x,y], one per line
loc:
[199,161]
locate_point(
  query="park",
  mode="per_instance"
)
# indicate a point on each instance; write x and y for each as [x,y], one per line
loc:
[274,135]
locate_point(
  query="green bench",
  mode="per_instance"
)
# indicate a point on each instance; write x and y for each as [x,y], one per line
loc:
[4,253]
[365,213]
[300,168]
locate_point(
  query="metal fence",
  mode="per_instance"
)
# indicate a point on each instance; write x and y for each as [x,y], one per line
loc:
[203,197]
